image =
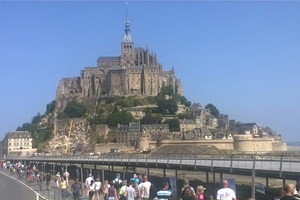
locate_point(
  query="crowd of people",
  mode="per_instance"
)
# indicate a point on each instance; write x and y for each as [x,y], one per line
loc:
[136,188]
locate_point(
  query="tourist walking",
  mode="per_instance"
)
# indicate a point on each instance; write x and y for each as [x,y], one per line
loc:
[225,193]
[76,189]
[200,192]
[88,181]
[48,179]
[136,189]
[186,183]
[105,189]
[135,179]
[145,189]
[63,188]
[98,186]
[117,184]
[165,193]
[112,192]
[91,190]
[57,179]
[130,191]
[123,190]
[289,190]
[67,175]
[187,194]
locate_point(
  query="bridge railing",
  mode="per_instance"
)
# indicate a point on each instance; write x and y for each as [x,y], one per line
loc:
[280,163]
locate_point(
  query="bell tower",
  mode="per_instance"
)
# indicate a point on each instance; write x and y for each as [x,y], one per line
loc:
[127,46]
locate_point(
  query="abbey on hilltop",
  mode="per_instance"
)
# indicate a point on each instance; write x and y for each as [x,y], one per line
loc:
[135,72]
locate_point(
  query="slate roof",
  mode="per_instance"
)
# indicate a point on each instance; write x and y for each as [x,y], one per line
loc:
[147,126]
[18,134]
[90,68]
[186,121]
[205,132]
[109,58]
[126,128]
[189,135]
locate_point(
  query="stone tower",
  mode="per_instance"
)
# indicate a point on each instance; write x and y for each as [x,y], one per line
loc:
[127,46]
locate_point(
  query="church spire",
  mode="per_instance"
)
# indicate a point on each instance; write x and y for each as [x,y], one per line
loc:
[127,36]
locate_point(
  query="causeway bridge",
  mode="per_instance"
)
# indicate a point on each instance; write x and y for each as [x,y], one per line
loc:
[268,166]
[283,167]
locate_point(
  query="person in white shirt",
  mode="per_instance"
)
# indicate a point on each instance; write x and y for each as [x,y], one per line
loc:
[98,185]
[145,189]
[88,181]
[225,193]
[67,176]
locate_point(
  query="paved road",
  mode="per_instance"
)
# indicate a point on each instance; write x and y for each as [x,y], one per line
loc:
[13,190]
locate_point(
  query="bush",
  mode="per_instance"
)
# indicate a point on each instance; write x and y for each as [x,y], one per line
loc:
[123,117]
[62,115]
[50,107]
[75,109]
[174,124]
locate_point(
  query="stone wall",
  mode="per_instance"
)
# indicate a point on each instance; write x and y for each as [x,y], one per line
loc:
[279,146]
[246,143]
[105,148]
[220,144]
[241,143]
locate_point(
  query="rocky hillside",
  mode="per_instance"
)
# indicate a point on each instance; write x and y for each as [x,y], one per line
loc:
[79,134]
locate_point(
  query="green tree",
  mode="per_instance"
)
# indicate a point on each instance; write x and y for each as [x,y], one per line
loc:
[62,115]
[50,107]
[185,115]
[177,98]
[148,119]
[174,124]
[123,117]
[98,119]
[27,127]
[36,119]
[167,90]
[185,102]
[213,109]
[172,106]
[75,109]
[167,106]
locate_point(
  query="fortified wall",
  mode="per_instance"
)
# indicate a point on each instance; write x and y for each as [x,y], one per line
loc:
[240,143]
[106,148]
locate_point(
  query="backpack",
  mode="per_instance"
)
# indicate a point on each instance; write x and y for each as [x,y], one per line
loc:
[117,184]
[153,191]
[132,179]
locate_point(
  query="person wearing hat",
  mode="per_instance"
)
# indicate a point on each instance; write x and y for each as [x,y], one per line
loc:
[186,183]
[200,192]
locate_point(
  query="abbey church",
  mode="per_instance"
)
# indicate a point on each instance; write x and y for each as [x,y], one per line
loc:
[135,72]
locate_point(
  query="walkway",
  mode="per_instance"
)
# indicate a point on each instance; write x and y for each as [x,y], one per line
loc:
[11,189]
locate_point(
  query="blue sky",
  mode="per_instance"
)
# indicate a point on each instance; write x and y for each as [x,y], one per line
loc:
[242,56]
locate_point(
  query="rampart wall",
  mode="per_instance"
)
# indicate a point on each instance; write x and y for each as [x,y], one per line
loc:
[105,148]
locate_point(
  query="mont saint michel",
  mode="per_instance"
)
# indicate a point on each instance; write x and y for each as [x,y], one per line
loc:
[131,103]
[135,72]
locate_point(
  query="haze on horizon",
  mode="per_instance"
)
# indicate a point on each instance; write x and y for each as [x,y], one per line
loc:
[241,56]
